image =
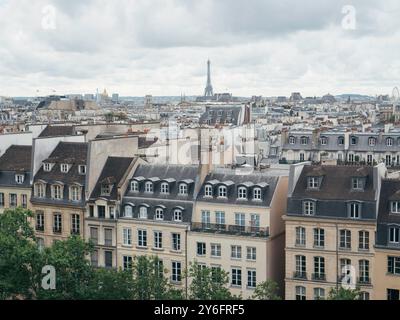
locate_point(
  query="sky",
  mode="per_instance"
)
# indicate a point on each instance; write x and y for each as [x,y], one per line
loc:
[160,47]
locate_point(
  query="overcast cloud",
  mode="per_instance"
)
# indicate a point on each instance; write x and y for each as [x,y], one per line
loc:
[160,47]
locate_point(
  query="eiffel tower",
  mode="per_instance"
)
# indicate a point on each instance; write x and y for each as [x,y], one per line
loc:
[208,92]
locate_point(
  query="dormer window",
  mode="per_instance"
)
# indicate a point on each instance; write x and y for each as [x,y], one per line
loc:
[75,193]
[183,189]
[64,168]
[353,140]
[178,215]
[324,141]
[313,183]
[292,140]
[159,214]
[39,190]
[82,169]
[242,193]
[389,142]
[106,189]
[303,140]
[371,141]
[148,187]
[128,211]
[47,167]
[57,192]
[19,178]
[208,191]
[357,183]
[222,192]
[309,208]
[355,210]
[394,235]
[143,212]
[340,141]
[164,188]
[395,207]
[134,186]
[257,194]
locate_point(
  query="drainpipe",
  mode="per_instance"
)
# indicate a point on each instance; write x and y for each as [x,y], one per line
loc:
[186,261]
[337,257]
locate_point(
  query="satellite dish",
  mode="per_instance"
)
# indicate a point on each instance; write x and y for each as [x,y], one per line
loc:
[395,94]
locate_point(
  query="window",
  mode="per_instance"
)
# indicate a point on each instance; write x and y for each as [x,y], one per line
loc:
[128,211]
[127,262]
[13,200]
[257,194]
[91,211]
[251,253]
[75,224]
[254,222]
[236,252]
[319,237]
[393,265]
[222,192]
[220,219]
[24,200]
[369,158]
[178,215]
[319,268]
[389,142]
[303,140]
[142,238]
[340,141]
[176,241]
[111,212]
[164,188]
[394,235]
[240,220]
[183,189]
[94,235]
[324,141]
[215,250]
[127,236]
[94,258]
[363,240]
[158,240]
[106,189]
[364,271]
[353,140]
[108,259]
[355,210]
[101,212]
[39,190]
[39,221]
[57,223]
[242,193]
[1,199]
[134,186]
[159,214]
[208,191]
[75,193]
[148,187]
[395,206]
[176,275]
[319,294]
[345,239]
[345,266]
[251,278]
[393,294]
[371,141]
[47,167]
[301,156]
[108,235]
[357,183]
[300,293]
[143,212]
[309,208]
[292,140]
[201,249]
[64,168]
[82,169]
[19,178]
[57,192]
[300,236]
[313,183]
[236,277]
[300,267]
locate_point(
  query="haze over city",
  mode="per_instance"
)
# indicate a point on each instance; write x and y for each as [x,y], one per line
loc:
[257,47]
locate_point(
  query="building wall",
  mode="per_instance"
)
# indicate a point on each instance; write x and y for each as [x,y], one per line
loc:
[20,138]
[19,192]
[383,279]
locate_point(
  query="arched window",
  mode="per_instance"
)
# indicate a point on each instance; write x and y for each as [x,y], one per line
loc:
[40,190]
[292,140]
[164,188]
[159,214]
[178,215]
[389,142]
[208,191]
[148,186]
[134,186]
[371,141]
[143,212]
[340,141]
[222,192]
[303,140]
[324,141]
[242,193]
[128,211]
[257,194]
[353,140]
[183,189]
[75,193]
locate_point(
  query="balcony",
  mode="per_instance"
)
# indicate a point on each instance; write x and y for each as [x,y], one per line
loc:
[300,275]
[319,276]
[230,229]
[364,280]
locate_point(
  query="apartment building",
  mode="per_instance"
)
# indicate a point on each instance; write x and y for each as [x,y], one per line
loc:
[58,198]
[352,147]
[103,208]
[330,229]
[387,248]
[237,226]
[155,216]
[15,173]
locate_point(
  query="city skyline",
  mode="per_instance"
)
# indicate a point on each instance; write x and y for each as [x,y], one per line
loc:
[255,48]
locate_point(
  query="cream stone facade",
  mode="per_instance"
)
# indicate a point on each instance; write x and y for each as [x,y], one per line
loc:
[385,281]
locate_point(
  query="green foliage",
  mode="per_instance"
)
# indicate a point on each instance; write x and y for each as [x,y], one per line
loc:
[344,294]
[267,290]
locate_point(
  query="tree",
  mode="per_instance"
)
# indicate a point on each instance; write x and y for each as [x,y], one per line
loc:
[19,255]
[207,283]
[267,290]
[344,294]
